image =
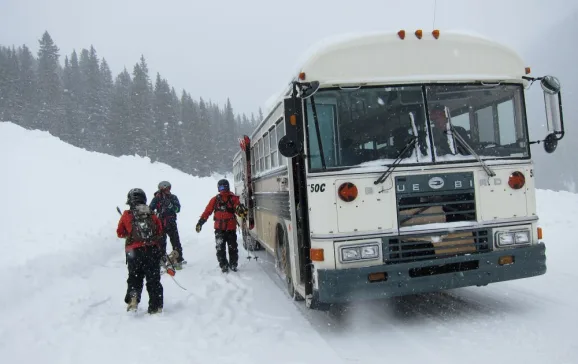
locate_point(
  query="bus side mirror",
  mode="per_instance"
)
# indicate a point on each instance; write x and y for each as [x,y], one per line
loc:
[553,105]
[288,147]
[550,143]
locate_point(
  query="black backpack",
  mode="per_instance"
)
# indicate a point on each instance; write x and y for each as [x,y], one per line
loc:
[224,206]
[143,226]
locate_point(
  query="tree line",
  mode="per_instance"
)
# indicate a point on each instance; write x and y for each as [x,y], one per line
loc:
[81,103]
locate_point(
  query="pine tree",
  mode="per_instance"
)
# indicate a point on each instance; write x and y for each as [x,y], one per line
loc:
[120,127]
[4,83]
[175,144]
[49,86]
[10,92]
[190,138]
[67,134]
[144,130]
[206,147]
[105,96]
[28,85]
[232,135]
[165,119]
[92,101]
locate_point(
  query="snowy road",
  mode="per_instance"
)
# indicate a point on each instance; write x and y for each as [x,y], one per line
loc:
[62,275]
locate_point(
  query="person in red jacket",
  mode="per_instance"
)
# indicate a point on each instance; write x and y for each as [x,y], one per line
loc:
[142,230]
[224,205]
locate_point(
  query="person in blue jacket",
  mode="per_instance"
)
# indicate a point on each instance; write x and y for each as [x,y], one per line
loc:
[167,206]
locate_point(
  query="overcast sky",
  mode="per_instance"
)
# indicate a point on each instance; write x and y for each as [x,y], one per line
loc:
[246,49]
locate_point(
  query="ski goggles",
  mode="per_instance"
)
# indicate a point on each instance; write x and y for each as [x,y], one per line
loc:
[222,188]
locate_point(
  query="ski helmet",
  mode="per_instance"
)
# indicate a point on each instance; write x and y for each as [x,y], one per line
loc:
[136,196]
[223,185]
[164,185]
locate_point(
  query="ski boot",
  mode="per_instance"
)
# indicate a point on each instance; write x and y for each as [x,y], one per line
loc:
[179,264]
[225,269]
[154,312]
[233,267]
[132,305]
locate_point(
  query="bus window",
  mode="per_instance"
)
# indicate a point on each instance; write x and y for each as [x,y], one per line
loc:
[506,122]
[496,127]
[327,120]
[273,146]
[462,120]
[367,125]
[485,118]
[280,133]
[266,152]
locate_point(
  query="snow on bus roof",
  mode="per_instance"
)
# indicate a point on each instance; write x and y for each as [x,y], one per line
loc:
[376,57]
[382,57]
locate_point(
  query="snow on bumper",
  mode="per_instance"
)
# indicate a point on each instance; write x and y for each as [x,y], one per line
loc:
[353,284]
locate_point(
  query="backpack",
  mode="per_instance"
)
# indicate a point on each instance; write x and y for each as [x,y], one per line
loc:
[143,226]
[224,206]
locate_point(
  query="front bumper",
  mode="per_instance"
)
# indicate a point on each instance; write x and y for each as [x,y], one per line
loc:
[345,285]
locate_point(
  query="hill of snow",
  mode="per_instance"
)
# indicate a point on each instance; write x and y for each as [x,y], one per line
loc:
[63,273]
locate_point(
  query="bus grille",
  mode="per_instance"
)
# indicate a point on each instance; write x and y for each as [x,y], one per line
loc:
[435,198]
[413,248]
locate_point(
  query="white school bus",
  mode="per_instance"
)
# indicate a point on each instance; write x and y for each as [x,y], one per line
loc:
[398,163]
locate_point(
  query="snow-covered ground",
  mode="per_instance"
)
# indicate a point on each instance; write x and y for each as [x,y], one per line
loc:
[63,273]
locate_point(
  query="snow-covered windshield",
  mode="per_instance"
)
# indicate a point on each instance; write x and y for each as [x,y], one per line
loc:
[370,126]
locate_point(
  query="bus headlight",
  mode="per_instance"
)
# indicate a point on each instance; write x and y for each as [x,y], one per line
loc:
[507,238]
[369,252]
[522,237]
[353,253]
[349,254]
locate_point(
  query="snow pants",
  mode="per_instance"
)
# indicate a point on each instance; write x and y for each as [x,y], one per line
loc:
[170,228]
[143,263]
[224,239]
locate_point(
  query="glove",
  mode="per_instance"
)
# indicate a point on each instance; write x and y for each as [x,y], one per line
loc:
[241,211]
[200,225]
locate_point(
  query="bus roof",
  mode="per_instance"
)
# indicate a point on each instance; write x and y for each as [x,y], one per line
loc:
[386,58]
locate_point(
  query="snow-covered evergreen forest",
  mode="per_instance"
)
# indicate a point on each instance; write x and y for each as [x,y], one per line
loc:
[76,98]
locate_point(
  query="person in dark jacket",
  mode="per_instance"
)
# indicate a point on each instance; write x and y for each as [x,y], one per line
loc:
[167,206]
[225,205]
[142,252]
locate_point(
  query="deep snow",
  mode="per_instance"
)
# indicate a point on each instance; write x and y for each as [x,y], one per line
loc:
[62,276]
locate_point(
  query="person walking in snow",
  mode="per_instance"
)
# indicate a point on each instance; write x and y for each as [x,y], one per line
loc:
[225,205]
[142,230]
[167,206]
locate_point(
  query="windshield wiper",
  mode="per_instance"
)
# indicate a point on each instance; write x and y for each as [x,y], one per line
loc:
[398,160]
[465,144]
[318,132]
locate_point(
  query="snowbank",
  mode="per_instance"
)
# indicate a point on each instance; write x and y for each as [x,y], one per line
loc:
[63,274]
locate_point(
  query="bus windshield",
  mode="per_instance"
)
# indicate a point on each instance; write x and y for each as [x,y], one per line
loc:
[370,126]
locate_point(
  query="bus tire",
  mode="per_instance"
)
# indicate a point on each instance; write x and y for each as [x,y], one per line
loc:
[248,242]
[284,263]
[313,304]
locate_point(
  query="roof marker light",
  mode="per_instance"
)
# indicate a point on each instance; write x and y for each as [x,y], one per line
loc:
[436,34]
[401,34]
[418,33]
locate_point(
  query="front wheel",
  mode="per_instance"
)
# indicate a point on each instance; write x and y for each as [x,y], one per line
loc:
[284,265]
[248,242]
